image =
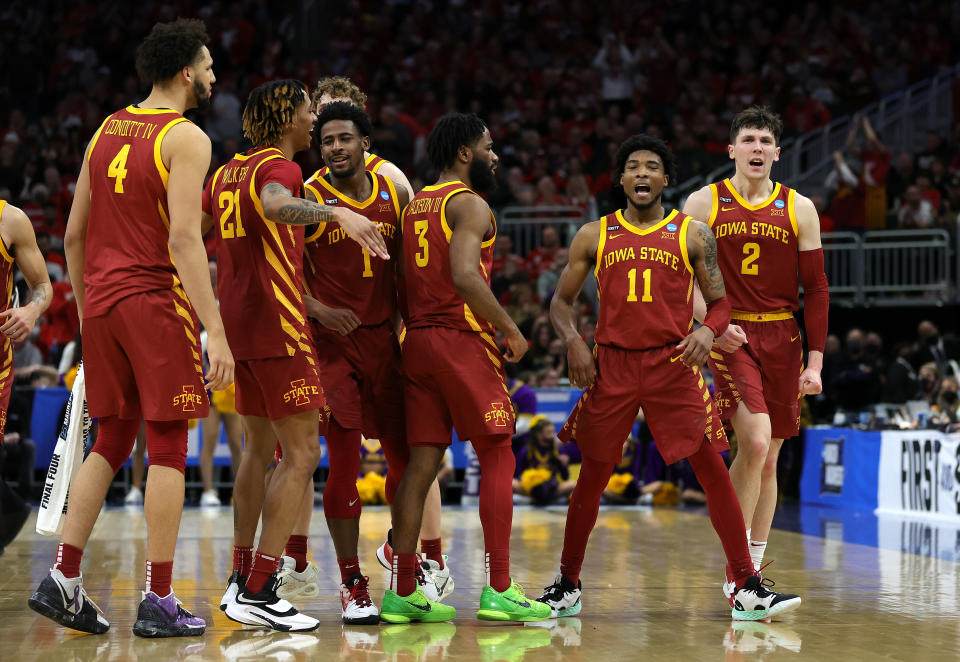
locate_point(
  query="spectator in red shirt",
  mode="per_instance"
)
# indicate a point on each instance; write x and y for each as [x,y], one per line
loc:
[541,258]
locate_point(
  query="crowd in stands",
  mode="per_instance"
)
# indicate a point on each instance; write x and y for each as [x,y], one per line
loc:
[560,84]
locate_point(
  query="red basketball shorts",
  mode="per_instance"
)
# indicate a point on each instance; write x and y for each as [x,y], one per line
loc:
[276,388]
[362,377]
[143,359]
[453,379]
[764,374]
[6,384]
[674,398]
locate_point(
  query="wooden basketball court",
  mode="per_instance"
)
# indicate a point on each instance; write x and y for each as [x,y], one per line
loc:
[651,592]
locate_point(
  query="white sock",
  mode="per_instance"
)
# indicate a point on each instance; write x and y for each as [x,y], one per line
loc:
[757,548]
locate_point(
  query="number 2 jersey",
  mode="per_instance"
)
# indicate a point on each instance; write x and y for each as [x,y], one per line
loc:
[259,262]
[757,248]
[645,282]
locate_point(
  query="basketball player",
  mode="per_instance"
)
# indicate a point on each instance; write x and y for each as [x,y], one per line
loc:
[767,236]
[646,263]
[18,245]
[135,215]
[454,369]
[256,200]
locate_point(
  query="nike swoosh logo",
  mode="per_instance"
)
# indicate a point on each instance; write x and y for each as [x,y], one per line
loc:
[674,359]
[425,607]
[614,236]
[795,337]
[525,605]
[353,502]
[727,208]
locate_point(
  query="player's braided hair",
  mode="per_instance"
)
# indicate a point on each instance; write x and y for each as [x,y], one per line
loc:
[757,117]
[338,87]
[648,143]
[169,48]
[344,110]
[270,107]
[451,132]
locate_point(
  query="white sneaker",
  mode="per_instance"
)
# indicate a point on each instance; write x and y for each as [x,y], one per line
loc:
[246,645]
[441,578]
[209,498]
[134,497]
[563,597]
[425,581]
[66,602]
[266,608]
[234,584]
[385,555]
[753,602]
[356,603]
[295,584]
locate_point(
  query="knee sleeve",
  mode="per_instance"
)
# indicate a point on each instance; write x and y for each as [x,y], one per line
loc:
[341,500]
[167,444]
[115,437]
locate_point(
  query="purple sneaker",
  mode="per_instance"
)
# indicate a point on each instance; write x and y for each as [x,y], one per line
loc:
[165,617]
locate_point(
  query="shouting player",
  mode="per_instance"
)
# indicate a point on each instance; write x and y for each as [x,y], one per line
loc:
[136,215]
[256,200]
[454,369]
[767,236]
[646,263]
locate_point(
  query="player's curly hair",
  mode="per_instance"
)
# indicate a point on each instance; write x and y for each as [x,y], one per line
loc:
[648,143]
[451,132]
[270,107]
[169,48]
[757,117]
[344,110]
[338,87]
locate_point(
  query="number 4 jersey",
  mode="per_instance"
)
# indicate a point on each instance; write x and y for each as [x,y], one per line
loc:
[757,248]
[259,262]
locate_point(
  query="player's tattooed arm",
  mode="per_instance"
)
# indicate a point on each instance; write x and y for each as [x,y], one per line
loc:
[280,205]
[704,258]
[17,232]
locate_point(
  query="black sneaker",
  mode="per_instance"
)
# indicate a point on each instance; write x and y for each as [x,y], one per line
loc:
[563,597]
[165,617]
[753,602]
[66,602]
[265,608]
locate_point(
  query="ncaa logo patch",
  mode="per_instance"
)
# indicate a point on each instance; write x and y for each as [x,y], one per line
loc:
[779,204]
[386,196]
[671,227]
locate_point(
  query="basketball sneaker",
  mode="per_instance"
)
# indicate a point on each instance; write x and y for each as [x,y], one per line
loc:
[510,644]
[385,553]
[511,605]
[234,584]
[562,597]
[265,608]
[753,602]
[134,497]
[440,576]
[414,607]
[357,605]
[165,617]
[729,586]
[66,602]
[298,584]
[209,498]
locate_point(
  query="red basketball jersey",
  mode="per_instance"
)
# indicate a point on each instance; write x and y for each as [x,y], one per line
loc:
[7,267]
[259,262]
[428,296]
[372,163]
[128,227]
[757,248]
[644,282]
[340,273]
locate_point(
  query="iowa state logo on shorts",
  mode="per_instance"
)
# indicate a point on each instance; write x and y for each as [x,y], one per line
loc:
[300,392]
[188,400]
[499,415]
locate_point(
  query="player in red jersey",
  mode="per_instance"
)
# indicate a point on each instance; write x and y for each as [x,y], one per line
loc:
[454,369]
[18,246]
[768,240]
[256,200]
[135,215]
[353,302]
[648,356]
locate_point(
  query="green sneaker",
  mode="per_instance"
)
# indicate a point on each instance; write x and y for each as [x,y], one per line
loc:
[414,607]
[511,605]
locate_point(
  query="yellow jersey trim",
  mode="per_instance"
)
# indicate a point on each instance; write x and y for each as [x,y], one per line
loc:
[746,205]
[320,226]
[635,230]
[769,316]
[149,111]
[272,227]
[792,211]
[393,194]
[96,136]
[3,244]
[714,204]
[346,198]
[158,143]
[447,232]
[600,245]
[493,237]
[682,238]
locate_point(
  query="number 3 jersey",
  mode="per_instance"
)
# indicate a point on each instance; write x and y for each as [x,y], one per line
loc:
[129,225]
[757,248]
[259,262]
[340,273]
[645,282]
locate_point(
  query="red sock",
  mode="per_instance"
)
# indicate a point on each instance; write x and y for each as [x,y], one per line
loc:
[68,560]
[403,578]
[242,560]
[582,515]
[297,550]
[725,513]
[432,550]
[158,577]
[348,568]
[497,465]
[263,567]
